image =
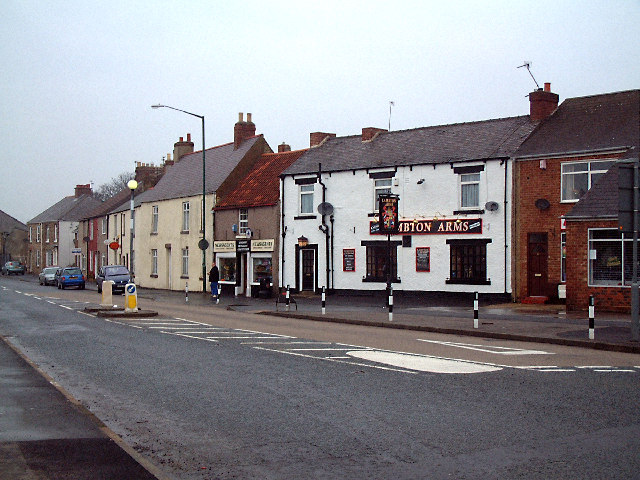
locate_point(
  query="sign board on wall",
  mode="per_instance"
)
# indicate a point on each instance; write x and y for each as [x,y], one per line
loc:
[262,245]
[349,260]
[433,227]
[222,246]
[423,259]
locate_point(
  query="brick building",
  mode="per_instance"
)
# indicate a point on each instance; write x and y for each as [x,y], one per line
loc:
[570,151]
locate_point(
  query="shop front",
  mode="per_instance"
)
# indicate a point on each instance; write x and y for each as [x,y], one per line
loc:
[246,266]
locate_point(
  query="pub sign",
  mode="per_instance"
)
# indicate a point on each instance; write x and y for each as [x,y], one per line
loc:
[388,213]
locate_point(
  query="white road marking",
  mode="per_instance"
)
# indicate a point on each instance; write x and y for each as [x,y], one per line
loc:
[424,363]
[236,338]
[190,336]
[286,343]
[489,348]
[319,349]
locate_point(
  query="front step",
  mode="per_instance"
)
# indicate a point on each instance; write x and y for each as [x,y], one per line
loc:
[536,300]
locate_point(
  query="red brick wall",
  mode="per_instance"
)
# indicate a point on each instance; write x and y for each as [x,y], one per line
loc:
[530,184]
[578,290]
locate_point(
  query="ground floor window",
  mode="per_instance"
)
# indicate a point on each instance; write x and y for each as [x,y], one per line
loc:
[262,270]
[185,262]
[154,261]
[610,257]
[468,262]
[378,254]
[227,268]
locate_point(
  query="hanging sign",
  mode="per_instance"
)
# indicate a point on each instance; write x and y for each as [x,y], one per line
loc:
[114,245]
[388,213]
[434,227]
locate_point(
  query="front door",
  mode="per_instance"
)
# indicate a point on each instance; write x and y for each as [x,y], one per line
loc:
[537,264]
[308,269]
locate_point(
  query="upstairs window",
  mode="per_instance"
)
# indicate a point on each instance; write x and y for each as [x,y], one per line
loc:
[243,221]
[306,199]
[380,187]
[47,234]
[154,219]
[38,227]
[469,190]
[579,177]
[185,216]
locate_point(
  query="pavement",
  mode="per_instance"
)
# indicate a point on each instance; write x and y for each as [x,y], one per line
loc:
[46,434]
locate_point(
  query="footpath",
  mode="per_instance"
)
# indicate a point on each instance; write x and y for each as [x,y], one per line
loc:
[46,434]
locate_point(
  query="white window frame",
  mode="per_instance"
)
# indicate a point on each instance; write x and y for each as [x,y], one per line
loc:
[380,187]
[243,221]
[469,180]
[154,218]
[55,233]
[92,226]
[104,225]
[30,231]
[154,261]
[38,233]
[185,262]
[46,234]
[624,240]
[37,258]
[590,171]
[185,216]
[304,191]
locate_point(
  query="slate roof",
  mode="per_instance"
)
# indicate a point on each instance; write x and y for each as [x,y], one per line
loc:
[184,178]
[591,123]
[497,138]
[261,186]
[8,223]
[70,208]
[601,201]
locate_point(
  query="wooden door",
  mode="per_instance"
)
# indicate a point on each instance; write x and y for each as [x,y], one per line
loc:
[537,264]
[308,269]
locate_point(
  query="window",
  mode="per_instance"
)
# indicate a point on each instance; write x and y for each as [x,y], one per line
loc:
[154,261]
[227,267]
[262,270]
[380,186]
[49,258]
[115,225]
[104,225]
[38,227]
[122,224]
[185,262]
[610,257]
[578,177]
[243,221]
[306,198]
[37,258]
[47,234]
[185,216]
[154,219]
[92,225]
[468,262]
[377,258]
[469,190]
[55,233]
[30,238]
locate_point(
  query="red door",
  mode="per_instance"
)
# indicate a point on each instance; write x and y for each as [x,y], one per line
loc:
[537,264]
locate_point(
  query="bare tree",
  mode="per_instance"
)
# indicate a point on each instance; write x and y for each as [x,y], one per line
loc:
[113,186]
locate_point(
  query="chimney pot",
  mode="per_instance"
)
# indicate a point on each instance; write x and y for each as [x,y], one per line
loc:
[542,103]
[547,86]
[240,117]
[182,139]
[248,118]
[283,147]
[243,130]
[188,137]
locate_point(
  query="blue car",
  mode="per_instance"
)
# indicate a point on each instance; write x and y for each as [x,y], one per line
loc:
[70,277]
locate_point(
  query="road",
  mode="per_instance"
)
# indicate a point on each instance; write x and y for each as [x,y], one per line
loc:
[206,393]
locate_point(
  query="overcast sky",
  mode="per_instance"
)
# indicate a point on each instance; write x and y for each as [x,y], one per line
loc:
[79,77]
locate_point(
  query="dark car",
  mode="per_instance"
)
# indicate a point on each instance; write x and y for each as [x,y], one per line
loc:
[70,277]
[48,276]
[16,268]
[118,274]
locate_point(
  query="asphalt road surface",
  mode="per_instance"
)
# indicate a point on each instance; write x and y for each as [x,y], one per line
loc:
[204,393]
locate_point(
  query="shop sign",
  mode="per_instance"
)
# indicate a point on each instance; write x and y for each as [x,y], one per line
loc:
[433,227]
[262,245]
[224,246]
[243,245]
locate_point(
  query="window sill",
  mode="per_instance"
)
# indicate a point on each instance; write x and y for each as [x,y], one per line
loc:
[154,233]
[184,232]
[379,280]
[154,275]
[186,277]
[470,211]
[305,217]
[467,281]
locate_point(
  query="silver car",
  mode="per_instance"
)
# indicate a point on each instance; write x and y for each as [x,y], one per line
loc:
[47,276]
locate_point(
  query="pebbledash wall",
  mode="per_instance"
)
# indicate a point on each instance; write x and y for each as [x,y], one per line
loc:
[429,201]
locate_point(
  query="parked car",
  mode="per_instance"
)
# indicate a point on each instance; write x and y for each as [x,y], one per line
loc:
[13,268]
[48,276]
[70,277]
[118,274]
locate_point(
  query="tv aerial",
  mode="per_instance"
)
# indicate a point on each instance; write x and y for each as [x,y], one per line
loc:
[527,64]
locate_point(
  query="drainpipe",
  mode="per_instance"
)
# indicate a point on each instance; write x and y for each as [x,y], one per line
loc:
[332,257]
[506,245]
[283,228]
[324,228]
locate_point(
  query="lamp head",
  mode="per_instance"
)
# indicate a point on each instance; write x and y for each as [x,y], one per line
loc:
[157,106]
[132,184]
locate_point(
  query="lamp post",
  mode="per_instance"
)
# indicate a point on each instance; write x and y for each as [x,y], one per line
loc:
[202,244]
[132,184]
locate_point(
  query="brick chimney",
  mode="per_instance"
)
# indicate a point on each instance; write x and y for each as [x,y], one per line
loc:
[368,133]
[243,130]
[542,103]
[83,190]
[317,138]
[283,147]
[182,148]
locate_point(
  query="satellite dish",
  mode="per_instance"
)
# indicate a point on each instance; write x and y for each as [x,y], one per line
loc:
[325,208]
[542,204]
[491,206]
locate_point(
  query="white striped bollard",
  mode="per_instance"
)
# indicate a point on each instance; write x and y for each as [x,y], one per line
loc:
[287,302]
[592,329]
[324,303]
[475,311]
[218,296]
[186,292]
[391,303]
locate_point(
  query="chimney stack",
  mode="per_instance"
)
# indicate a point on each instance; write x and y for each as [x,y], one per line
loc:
[318,138]
[283,147]
[368,133]
[243,130]
[83,190]
[182,148]
[542,103]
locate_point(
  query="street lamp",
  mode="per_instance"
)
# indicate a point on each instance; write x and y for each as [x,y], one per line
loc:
[202,244]
[132,184]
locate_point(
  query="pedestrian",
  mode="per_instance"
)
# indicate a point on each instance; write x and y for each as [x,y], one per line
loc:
[214,277]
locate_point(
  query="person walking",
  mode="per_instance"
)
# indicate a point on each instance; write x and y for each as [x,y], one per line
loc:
[214,277]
